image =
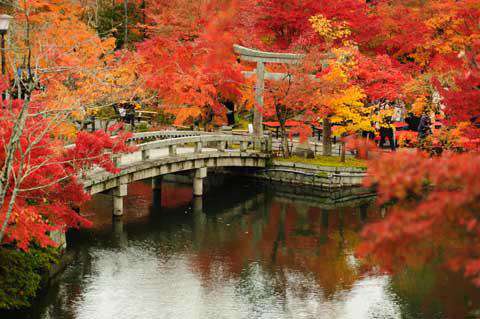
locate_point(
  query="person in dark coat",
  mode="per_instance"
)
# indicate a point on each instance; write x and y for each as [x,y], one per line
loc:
[424,128]
[130,115]
[387,130]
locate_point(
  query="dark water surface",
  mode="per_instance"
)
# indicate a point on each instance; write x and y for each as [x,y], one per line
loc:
[248,251]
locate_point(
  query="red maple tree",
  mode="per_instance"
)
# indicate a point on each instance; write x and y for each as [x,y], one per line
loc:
[192,64]
[39,185]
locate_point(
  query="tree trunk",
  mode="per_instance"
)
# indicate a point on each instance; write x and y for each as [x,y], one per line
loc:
[17,132]
[286,151]
[327,137]
[125,40]
[144,19]
[342,154]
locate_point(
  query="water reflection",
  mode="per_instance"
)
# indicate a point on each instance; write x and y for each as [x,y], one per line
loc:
[245,251]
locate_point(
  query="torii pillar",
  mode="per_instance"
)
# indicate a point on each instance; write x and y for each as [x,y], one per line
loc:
[261,58]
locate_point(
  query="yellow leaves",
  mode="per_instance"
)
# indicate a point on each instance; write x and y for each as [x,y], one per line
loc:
[349,110]
[108,44]
[247,98]
[65,130]
[336,74]
[421,56]
[184,113]
[350,97]
[328,29]
[448,33]
[79,69]
[337,96]
[420,105]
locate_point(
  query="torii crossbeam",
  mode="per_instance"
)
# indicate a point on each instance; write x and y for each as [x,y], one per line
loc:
[261,58]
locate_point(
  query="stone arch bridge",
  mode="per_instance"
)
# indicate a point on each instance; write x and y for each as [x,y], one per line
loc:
[167,152]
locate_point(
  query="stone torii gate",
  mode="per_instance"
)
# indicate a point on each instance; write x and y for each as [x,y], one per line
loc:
[262,57]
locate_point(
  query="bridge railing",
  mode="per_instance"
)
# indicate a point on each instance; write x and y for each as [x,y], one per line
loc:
[139,137]
[221,142]
[167,134]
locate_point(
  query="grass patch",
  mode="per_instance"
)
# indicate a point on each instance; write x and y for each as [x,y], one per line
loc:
[241,124]
[322,174]
[331,161]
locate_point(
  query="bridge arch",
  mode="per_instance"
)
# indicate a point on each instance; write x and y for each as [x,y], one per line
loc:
[167,152]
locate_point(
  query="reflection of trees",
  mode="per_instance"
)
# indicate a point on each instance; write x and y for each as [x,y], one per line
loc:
[273,249]
[283,234]
[63,291]
[137,203]
[322,251]
[431,292]
[292,237]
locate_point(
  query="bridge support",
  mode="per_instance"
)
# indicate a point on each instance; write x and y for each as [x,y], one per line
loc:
[119,236]
[197,205]
[157,183]
[157,191]
[118,194]
[200,174]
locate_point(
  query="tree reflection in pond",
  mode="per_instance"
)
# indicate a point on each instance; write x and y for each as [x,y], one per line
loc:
[247,251]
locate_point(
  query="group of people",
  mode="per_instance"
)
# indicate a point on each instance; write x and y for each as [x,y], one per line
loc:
[127,113]
[382,119]
[387,113]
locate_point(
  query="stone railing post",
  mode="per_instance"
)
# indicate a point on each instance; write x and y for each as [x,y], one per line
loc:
[145,155]
[172,150]
[243,146]
[118,194]
[222,145]
[198,147]
[257,143]
[269,143]
[116,160]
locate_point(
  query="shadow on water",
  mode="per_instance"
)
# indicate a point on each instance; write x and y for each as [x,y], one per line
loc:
[247,250]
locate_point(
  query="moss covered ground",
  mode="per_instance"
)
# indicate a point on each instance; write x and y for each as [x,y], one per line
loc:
[331,161]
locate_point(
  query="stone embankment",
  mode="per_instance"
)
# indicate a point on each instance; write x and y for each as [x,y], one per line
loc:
[324,177]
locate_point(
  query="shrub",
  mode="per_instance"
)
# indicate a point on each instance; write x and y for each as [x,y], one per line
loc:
[21,274]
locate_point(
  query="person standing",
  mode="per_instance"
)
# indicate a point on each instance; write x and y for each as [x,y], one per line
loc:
[130,115]
[122,112]
[387,129]
[424,128]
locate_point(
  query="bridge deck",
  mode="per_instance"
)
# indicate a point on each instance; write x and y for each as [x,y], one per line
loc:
[170,155]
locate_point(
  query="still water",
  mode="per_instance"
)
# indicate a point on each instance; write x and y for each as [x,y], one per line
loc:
[249,250]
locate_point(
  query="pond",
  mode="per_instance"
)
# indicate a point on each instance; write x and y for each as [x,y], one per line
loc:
[248,250]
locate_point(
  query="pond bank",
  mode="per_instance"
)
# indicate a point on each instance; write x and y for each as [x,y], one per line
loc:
[323,177]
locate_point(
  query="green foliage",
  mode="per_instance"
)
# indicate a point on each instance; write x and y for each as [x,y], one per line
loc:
[111,22]
[142,127]
[269,162]
[105,113]
[322,174]
[163,118]
[241,122]
[21,274]
[331,161]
